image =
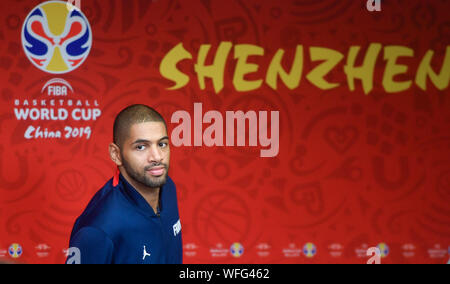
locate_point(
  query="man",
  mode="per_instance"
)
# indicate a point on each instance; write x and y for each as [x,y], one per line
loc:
[134,217]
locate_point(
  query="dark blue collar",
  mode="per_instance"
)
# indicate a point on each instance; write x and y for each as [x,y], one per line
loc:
[138,200]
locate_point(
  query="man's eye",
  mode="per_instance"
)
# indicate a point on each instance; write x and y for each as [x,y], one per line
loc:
[140,147]
[162,144]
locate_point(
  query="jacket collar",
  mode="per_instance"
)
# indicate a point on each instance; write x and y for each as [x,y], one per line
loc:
[136,198]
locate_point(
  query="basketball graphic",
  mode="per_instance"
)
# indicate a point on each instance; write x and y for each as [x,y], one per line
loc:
[71,185]
[55,39]
[212,218]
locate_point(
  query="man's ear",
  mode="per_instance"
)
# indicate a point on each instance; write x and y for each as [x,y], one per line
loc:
[114,153]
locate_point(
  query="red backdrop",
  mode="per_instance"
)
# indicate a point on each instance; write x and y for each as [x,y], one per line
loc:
[353,171]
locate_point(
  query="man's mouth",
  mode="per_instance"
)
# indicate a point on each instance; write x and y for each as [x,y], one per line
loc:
[156,171]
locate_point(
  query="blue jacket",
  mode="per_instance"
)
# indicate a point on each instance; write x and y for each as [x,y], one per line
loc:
[119,226]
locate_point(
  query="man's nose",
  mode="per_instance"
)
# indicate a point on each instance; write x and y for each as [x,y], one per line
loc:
[155,154]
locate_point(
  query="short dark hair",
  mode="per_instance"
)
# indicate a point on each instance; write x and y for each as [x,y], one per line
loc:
[131,115]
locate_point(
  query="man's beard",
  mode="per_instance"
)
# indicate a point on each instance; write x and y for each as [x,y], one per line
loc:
[152,182]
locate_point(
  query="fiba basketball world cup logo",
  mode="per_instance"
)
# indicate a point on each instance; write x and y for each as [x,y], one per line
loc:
[236,250]
[309,250]
[15,250]
[56,39]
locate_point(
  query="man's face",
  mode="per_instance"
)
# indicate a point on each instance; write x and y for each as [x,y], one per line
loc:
[146,154]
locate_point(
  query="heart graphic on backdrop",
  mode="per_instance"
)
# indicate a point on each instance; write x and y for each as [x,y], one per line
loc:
[341,138]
